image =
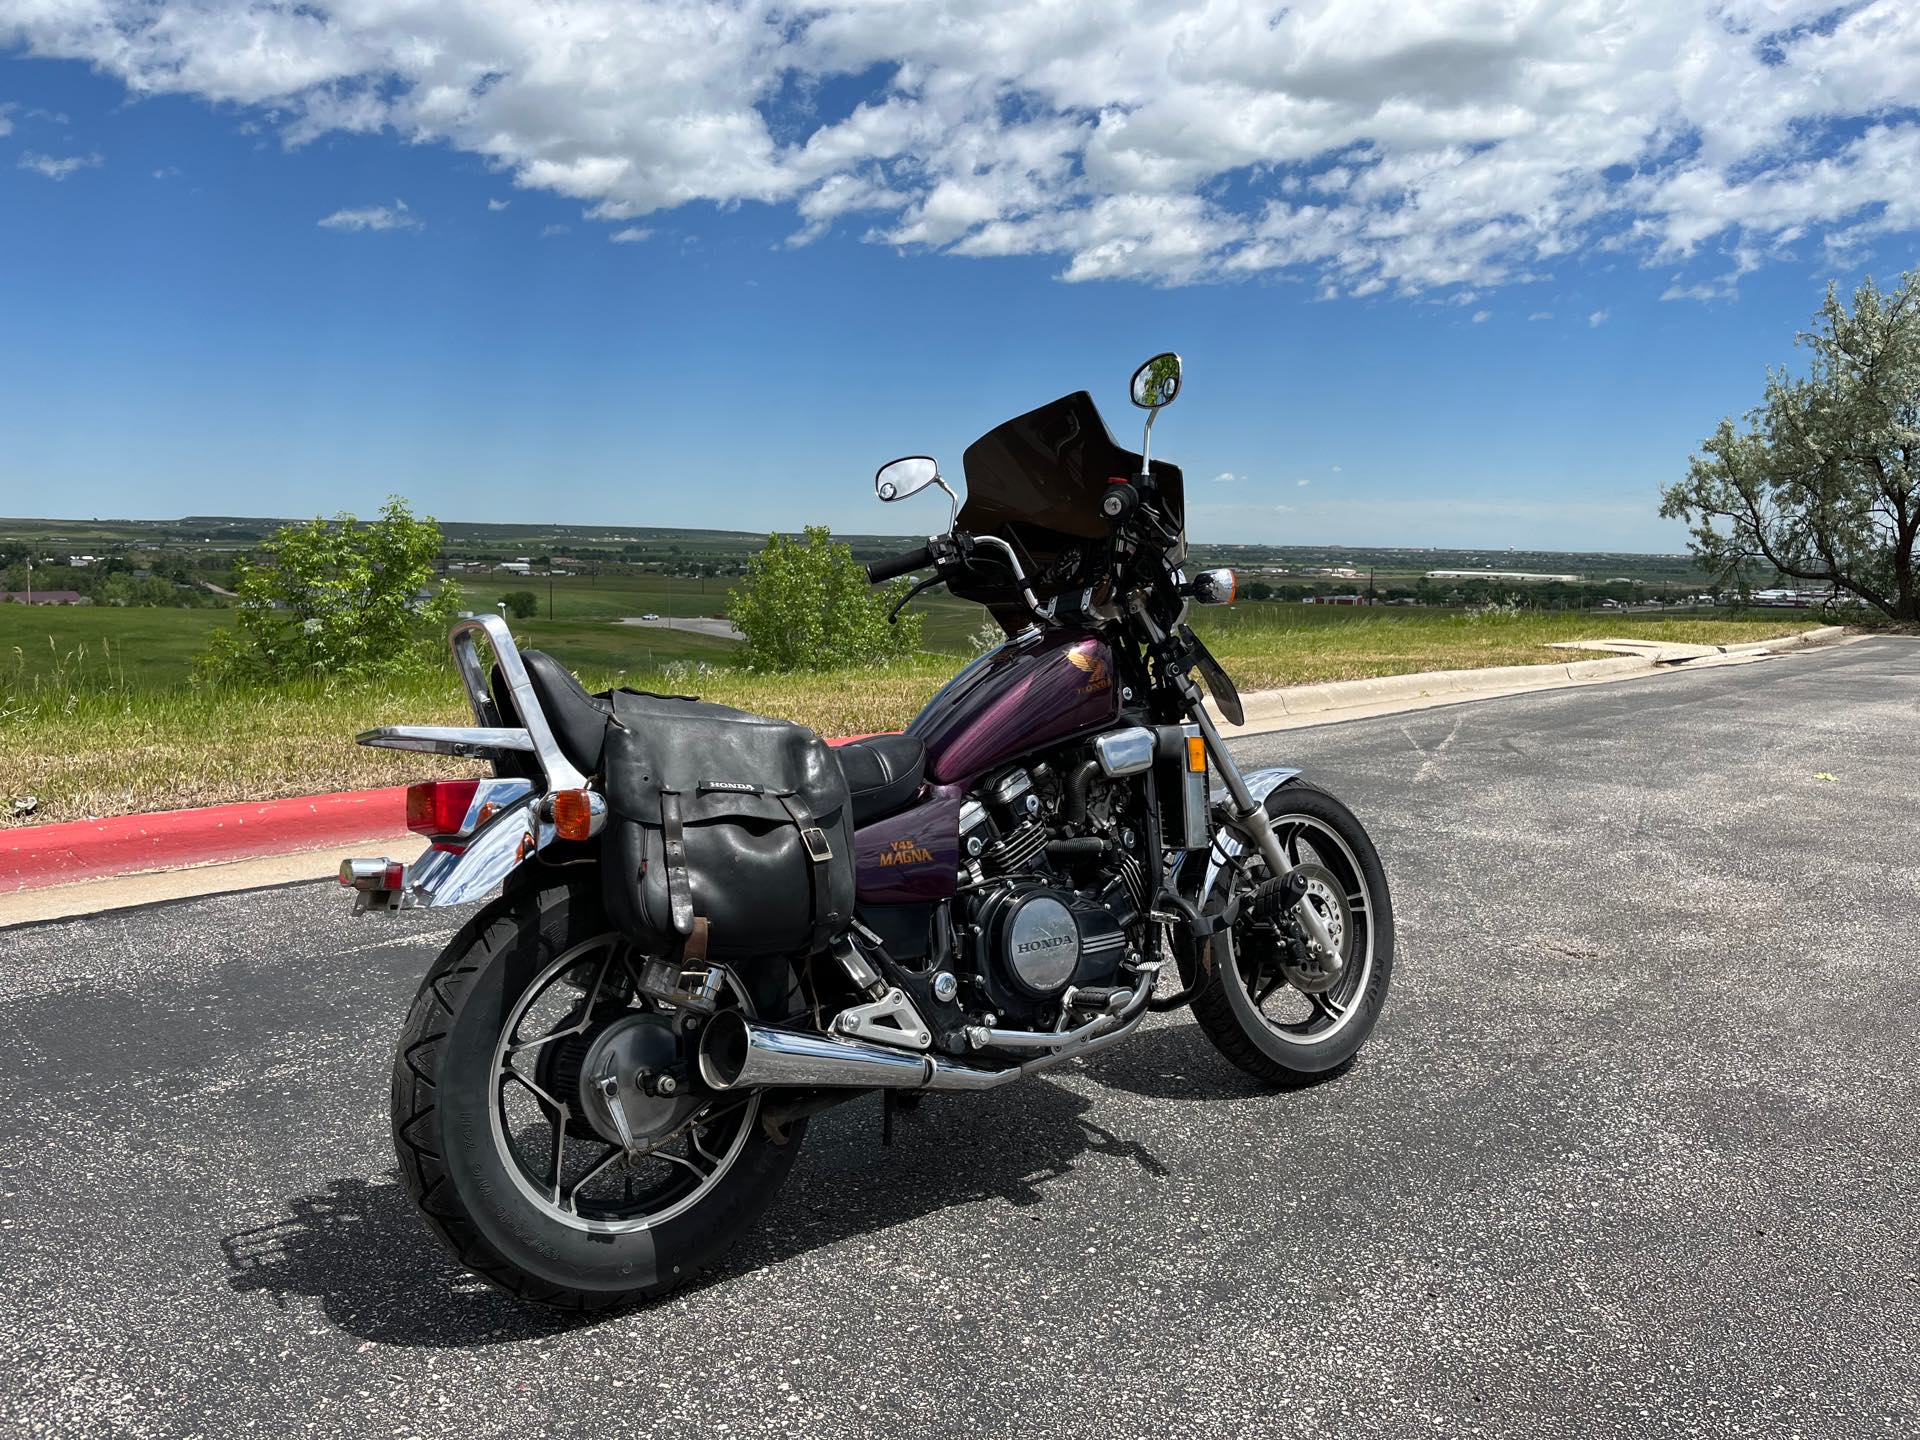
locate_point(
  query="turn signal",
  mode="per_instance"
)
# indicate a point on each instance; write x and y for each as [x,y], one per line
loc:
[1196,755]
[574,814]
[439,807]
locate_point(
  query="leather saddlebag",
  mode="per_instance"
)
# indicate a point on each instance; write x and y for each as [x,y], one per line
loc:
[728,834]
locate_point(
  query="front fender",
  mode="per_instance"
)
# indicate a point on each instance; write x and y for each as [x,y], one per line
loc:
[1226,844]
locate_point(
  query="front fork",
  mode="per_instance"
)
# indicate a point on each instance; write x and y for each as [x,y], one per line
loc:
[1247,815]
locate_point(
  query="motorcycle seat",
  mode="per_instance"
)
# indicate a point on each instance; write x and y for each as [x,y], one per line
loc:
[883,773]
[579,720]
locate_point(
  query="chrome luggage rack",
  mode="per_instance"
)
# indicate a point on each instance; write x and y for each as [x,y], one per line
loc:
[489,737]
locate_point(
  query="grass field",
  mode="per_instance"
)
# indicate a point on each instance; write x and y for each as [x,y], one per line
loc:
[97,716]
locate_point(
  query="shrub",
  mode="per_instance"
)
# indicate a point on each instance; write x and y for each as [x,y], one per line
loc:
[806,605]
[336,599]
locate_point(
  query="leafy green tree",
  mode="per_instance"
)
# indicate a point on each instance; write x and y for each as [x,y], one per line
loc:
[806,605]
[338,599]
[1823,480]
[522,604]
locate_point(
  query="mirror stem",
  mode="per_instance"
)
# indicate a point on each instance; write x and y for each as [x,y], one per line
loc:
[1146,443]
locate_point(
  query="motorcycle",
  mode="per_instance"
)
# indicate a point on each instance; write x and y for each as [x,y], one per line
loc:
[1056,847]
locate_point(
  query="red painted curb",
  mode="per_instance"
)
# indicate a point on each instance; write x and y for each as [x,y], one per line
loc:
[36,856]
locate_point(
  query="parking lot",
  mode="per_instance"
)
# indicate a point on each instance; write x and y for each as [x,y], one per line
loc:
[1634,1151]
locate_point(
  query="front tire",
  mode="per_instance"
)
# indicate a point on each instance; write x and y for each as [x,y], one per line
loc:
[504,1194]
[1250,1002]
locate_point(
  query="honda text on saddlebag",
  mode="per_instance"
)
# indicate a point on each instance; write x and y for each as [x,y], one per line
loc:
[702,926]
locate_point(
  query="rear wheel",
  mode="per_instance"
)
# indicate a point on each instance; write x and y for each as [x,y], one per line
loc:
[548,1120]
[1264,1004]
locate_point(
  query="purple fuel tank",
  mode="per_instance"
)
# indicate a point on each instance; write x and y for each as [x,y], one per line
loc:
[1030,693]
[1026,695]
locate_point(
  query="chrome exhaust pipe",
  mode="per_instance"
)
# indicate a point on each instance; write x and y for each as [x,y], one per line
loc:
[740,1054]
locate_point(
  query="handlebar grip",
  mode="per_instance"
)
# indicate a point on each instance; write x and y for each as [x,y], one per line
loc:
[884,570]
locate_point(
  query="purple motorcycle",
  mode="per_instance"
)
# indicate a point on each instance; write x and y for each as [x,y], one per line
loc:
[702,927]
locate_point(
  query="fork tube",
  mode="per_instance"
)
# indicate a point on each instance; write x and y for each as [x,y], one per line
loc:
[1246,814]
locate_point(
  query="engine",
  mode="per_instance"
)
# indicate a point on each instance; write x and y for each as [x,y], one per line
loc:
[1053,892]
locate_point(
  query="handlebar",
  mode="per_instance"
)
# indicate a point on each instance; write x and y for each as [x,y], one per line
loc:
[883,570]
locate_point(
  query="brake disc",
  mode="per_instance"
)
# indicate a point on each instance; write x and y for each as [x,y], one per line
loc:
[1302,969]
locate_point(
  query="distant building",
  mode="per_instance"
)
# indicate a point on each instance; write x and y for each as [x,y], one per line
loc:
[1523,577]
[517,567]
[42,597]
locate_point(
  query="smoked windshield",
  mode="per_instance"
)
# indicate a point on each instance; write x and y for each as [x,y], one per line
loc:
[1036,482]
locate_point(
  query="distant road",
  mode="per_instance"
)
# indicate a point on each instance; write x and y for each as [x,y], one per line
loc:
[1625,1157]
[702,624]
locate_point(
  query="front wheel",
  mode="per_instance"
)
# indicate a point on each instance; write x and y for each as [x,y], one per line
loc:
[547,1121]
[1264,1005]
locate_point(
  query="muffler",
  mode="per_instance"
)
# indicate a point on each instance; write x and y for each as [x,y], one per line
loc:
[737,1054]
[740,1054]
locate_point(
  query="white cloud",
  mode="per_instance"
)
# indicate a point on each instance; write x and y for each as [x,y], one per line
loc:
[632,235]
[167,172]
[374,217]
[6,125]
[1367,146]
[1303,483]
[1225,477]
[1480,317]
[59,167]
[1540,315]
[551,231]
[1597,319]
[498,205]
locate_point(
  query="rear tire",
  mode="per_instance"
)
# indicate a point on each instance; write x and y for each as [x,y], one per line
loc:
[449,1142]
[1321,1045]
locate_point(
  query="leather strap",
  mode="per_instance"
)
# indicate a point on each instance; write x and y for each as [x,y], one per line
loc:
[679,887]
[819,854]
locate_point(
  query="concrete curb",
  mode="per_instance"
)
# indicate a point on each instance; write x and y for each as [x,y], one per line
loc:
[1273,709]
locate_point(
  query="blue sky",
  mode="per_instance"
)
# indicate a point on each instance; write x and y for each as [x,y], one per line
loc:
[200,315]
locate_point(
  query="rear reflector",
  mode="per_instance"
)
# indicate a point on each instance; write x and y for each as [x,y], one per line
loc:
[439,807]
[1196,755]
[381,874]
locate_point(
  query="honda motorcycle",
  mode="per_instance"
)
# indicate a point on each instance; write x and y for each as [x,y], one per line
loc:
[703,927]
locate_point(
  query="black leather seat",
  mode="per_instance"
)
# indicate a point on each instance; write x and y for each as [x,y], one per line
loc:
[579,720]
[883,773]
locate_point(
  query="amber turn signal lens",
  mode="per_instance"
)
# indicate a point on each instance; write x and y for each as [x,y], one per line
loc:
[572,812]
[1196,755]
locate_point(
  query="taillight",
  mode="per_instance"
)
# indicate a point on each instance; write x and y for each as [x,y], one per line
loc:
[439,807]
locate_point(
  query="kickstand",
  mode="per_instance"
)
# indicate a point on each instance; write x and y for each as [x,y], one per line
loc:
[886,1118]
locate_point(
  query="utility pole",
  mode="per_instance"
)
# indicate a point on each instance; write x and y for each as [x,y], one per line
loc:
[549,593]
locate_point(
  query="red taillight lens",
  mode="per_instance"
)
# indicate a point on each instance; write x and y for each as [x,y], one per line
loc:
[439,807]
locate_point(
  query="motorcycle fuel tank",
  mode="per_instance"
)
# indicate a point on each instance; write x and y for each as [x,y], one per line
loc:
[1036,690]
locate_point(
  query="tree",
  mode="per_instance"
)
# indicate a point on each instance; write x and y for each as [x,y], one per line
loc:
[806,605]
[338,599]
[1823,480]
[522,604]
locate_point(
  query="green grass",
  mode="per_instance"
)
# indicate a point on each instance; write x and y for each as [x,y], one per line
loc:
[108,726]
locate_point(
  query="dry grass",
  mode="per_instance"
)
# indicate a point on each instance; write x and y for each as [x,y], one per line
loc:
[87,744]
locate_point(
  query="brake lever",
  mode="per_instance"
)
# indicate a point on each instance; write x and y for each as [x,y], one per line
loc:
[893,615]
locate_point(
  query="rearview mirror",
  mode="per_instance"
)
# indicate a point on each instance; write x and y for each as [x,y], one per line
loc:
[908,475]
[1157,382]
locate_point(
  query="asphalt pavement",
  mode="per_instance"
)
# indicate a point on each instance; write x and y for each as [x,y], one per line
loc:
[1634,1150]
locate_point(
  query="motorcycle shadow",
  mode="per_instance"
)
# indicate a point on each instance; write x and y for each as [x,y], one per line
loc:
[362,1252]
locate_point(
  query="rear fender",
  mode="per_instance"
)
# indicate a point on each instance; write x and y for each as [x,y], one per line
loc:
[477,866]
